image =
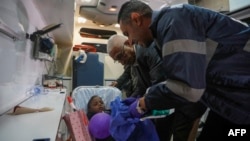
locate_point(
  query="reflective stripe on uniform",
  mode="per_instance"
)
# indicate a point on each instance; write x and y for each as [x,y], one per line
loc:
[184,90]
[247,46]
[191,46]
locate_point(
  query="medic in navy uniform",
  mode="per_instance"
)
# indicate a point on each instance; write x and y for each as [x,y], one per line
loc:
[217,74]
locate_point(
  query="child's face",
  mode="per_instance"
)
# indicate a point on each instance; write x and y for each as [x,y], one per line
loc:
[97,105]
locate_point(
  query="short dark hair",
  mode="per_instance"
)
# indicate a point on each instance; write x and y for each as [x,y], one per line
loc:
[133,6]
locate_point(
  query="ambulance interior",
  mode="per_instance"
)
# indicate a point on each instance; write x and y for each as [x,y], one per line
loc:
[66,27]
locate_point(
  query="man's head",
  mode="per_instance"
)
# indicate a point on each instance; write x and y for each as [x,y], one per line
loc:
[134,18]
[119,49]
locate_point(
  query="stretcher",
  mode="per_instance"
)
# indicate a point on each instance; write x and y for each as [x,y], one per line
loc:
[76,121]
[82,94]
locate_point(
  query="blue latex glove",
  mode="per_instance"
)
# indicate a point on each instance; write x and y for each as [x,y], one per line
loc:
[80,58]
[133,109]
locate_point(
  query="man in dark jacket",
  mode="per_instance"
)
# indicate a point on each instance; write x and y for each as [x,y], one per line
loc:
[148,65]
[125,81]
[221,81]
[145,63]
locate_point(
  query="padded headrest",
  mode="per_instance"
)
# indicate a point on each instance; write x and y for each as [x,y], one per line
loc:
[82,94]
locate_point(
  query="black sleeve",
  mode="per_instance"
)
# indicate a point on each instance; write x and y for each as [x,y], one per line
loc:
[124,78]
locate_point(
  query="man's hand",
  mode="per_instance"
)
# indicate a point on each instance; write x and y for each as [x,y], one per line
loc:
[134,104]
[134,109]
[114,83]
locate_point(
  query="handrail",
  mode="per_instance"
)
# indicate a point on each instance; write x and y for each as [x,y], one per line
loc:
[6,30]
